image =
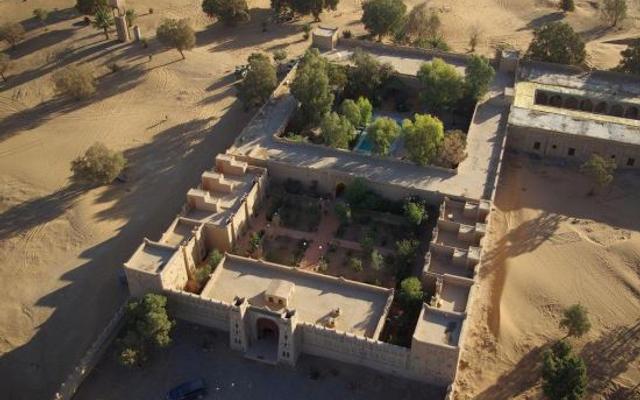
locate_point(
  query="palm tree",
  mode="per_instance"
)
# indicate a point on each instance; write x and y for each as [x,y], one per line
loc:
[103,20]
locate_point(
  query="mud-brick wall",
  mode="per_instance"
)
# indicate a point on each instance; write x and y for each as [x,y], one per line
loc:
[353,349]
[193,308]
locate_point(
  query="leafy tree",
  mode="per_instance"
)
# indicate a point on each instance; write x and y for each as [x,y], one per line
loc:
[443,85]
[260,81]
[406,250]
[453,149]
[564,374]
[423,138]
[377,260]
[177,34]
[75,81]
[630,62]
[557,42]
[366,110]
[599,169]
[382,17]
[478,75]
[89,7]
[304,7]
[231,12]
[103,20]
[311,87]
[567,5]
[98,165]
[5,63]
[421,23]
[41,15]
[337,77]
[12,33]
[367,76]
[575,320]
[382,132]
[336,130]
[351,111]
[410,293]
[131,16]
[147,325]
[414,212]
[614,11]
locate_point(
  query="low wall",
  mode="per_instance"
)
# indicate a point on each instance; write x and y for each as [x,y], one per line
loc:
[73,381]
[346,347]
[194,308]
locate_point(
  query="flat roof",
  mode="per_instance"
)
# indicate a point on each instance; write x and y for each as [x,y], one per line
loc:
[314,297]
[438,327]
[150,257]
[178,232]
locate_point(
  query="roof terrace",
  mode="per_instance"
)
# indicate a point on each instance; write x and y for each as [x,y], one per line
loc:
[438,327]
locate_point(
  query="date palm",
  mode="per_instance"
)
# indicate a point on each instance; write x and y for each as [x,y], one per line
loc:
[103,20]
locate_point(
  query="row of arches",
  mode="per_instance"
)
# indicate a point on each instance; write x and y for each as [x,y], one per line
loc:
[585,104]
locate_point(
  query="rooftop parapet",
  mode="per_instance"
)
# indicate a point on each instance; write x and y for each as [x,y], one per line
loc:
[227,164]
[151,257]
[438,327]
[216,182]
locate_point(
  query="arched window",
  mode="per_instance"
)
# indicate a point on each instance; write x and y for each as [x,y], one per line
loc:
[632,112]
[616,110]
[571,103]
[555,100]
[586,105]
[601,108]
[542,98]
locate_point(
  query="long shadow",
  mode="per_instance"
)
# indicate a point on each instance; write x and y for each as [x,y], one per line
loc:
[164,168]
[39,42]
[594,33]
[543,20]
[609,356]
[249,35]
[54,16]
[31,118]
[519,379]
[24,216]
[624,42]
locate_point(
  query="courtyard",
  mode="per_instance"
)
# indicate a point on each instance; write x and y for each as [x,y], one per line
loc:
[199,352]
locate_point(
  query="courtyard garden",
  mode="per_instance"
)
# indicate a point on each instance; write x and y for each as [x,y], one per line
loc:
[367,108]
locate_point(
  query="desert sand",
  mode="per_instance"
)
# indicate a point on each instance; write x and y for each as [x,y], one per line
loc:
[61,246]
[550,246]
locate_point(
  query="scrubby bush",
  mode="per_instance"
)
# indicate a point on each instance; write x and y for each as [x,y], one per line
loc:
[12,33]
[436,42]
[230,12]
[75,81]
[98,165]
[599,169]
[421,23]
[279,55]
[382,132]
[630,61]
[614,11]
[475,33]
[355,264]
[177,34]
[377,260]
[423,138]
[575,320]
[452,151]
[89,7]
[215,257]
[415,212]
[260,81]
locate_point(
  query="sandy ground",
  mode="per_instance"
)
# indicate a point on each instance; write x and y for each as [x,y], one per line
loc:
[551,246]
[61,246]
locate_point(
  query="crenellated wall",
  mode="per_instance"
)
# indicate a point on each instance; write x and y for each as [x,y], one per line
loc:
[194,308]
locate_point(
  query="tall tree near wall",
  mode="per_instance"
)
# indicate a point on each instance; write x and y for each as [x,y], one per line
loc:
[177,34]
[382,17]
[558,43]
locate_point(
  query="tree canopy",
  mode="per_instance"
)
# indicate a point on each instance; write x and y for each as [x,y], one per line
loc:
[147,325]
[478,75]
[367,77]
[382,132]
[260,81]
[177,34]
[564,374]
[575,320]
[336,130]
[630,62]
[75,81]
[382,17]
[311,87]
[366,109]
[230,12]
[410,293]
[443,85]
[557,42]
[351,111]
[98,165]
[422,138]
[421,24]
[304,7]
[415,212]
[12,33]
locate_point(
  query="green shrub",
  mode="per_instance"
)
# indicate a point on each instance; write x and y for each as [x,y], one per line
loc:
[98,165]
[355,263]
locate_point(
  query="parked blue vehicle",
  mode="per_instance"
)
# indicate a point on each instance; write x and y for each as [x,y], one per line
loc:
[194,389]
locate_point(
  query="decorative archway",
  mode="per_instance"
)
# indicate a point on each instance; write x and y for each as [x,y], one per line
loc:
[267,329]
[340,187]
